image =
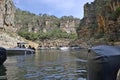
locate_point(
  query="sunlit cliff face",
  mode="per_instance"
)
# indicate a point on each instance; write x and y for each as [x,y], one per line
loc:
[101,19]
[7,11]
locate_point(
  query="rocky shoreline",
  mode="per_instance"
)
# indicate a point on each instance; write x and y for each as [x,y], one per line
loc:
[8,40]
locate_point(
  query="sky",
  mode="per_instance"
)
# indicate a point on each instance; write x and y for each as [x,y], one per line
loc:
[57,8]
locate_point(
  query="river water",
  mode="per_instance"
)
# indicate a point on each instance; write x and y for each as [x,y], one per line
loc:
[45,65]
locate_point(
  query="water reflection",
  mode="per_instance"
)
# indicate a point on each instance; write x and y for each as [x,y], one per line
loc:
[46,65]
[3,73]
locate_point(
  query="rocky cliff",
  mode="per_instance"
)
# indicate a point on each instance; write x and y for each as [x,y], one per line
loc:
[8,37]
[69,24]
[101,22]
[7,11]
[44,22]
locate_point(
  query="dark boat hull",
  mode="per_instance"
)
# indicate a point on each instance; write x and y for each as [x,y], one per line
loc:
[103,62]
[19,51]
[3,56]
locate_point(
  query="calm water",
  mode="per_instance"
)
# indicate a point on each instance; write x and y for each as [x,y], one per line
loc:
[45,65]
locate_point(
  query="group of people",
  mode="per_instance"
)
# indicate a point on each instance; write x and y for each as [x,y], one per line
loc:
[23,46]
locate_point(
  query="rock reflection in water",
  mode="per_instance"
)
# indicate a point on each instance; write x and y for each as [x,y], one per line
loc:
[46,65]
[3,73]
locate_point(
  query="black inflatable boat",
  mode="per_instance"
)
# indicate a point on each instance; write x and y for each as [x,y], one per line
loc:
[103,62]
[3,55]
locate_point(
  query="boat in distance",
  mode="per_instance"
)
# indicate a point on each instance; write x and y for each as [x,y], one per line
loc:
[64,48]
[21,49]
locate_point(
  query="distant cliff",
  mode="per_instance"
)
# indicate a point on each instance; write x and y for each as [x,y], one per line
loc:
[44,22]
[101,22]
[7,11]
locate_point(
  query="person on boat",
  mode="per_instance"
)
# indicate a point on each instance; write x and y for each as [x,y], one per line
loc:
[23,46]
[18,45]
[31,47]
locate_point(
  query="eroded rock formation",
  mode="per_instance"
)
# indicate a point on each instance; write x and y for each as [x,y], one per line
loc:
[7,11]
[101,21]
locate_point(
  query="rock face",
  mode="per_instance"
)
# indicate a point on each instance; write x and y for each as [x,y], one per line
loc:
[69,25]
[101,21]
[44,22]
[7,11]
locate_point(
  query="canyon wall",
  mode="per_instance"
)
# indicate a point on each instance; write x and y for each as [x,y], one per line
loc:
[44,22]
[101,22]
[7,10]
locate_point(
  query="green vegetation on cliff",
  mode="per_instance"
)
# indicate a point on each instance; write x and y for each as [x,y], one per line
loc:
[115,14]
[39,27]
[53,34]
[43,26]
